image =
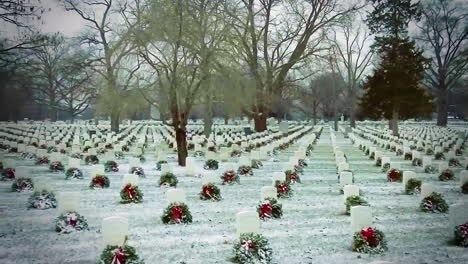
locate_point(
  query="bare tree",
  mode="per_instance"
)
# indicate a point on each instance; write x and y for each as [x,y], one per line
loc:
[271,49]
[43,66]
[354,57]
[112,45]
[178,41]
[77,87]
[444,33]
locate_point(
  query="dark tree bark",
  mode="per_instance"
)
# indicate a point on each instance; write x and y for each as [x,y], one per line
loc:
[442,109]
[260,122]
[181,139]
[115,122]
[395,117]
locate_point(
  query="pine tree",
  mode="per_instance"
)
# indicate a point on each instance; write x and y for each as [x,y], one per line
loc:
[394,90]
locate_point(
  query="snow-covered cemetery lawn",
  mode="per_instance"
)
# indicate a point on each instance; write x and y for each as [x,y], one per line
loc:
[313,228]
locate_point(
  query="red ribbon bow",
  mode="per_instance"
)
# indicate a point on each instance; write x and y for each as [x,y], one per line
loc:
[266,210]
[208,190]
[130,191]
[119,257]
[98,181]
[176,213]
[282,188]
[229,177]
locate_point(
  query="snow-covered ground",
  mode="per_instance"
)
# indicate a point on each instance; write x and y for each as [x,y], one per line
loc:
[313,228]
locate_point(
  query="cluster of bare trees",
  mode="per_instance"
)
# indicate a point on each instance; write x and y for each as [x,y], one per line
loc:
[253,58]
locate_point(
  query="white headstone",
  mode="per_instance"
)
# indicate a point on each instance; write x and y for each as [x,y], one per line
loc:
[346,177]
[463,177]
[41,184]
[175,196]
[130,179]
[350,190]
[278,176]
[22,172]
[426,190]
[68,202]
[268,192]
[209,177]
[114,230]
[458,214]
[361,218]
[98,169]
[247,222]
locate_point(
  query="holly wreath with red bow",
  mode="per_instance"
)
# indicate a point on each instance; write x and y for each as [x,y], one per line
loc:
[120,255]
[210,192]
[131,194]
[177,213]
[370,241]
[269,208]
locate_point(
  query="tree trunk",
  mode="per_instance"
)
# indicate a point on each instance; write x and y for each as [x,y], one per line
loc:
[260,122]
[395,118]
[208,119]
[226,120]
[390,124]
[115,122]
[352,117]
[181,139]
[442,109]
[335,121]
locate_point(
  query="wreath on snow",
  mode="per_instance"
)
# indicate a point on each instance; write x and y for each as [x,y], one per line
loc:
[245,170]
[120,255]
[211,164]
[454,162]
[177,213]
[73,173]
[408,156]
[210,192]
[131,194]
[111,166]
[413,186]
[386,167]
[236,153]
[256,164]
[354,200]
[42,200]
[292,176]
[439,156]
[42,161]
[283,189]
[461,235]
[394,175]
[446,175]
[434,203]
[430,169]
[302,163]
[417,162]
[56,166]
[269,208]
[230,177]
[8,174]
[22,185]
[252,248]
[464,188]
[168,179]
[137,171]
[369,241]
[70,222]
[99,181]
[91,159]
[378,162]
[159,164]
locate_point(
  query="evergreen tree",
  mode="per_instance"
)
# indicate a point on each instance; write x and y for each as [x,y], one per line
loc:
[394,91]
